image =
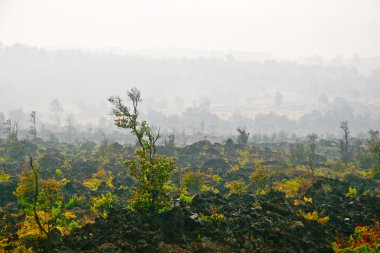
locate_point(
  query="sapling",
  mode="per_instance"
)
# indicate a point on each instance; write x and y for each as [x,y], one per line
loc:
[42,202]
[152,172]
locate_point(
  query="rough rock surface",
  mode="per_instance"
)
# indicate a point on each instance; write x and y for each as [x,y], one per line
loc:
[250,224]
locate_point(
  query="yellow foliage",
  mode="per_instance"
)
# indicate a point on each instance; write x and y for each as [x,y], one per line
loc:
[307,200]
[15,215]
[236,187]
[185,196]
[92,183]
[4,242]
[109,180]
[66,164]
[101,175]
[323,220]
[313,216]
[263,191]
[206,188]
[4,176]
[308,216]
[215,216]
[243,158]
[260,175]
[234,168]
[352,192]
[292,188]
[366,192]
[69,215]
[100,204]
[122,187]
[29,228]
[216,178]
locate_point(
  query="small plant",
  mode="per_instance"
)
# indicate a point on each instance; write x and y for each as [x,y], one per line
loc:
[43,209]
[58,172]
[207,188]
[313,216]
[215,216]
[4,176]
[216,178]
[305,200]
[234,168]
[260,175]
[185,196]
[364,239]
[193,181]
[98,177]
[92,183]
[243,158]
[263,191]
[75,200]
[297,202]
[323,220]
[352,192]
[363,173]
[310,216]
[237,187]
[293,187]
[4,237]
[101,204]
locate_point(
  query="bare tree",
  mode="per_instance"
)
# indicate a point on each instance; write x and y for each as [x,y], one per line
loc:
[2,121]
[344,143]
[296,154]
[242,137]
[56,111]
[312,145]
[70,129]
[11,130]
[278,98]
[33,130]
[373,145]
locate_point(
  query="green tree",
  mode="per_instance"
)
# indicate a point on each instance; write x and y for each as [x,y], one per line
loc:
[152,172]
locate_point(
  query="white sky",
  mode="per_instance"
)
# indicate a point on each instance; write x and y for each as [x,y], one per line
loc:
[282,28]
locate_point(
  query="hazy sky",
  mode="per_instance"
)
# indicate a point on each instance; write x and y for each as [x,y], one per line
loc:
[282,28]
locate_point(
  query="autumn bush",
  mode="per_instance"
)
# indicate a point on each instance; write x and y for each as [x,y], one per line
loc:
[364,239]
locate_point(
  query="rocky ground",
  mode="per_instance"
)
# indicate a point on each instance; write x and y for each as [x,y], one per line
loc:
[246,223]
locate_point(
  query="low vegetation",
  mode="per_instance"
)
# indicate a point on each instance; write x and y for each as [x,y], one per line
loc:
[302,195]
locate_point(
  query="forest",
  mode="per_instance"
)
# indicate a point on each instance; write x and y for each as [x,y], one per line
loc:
[307,193]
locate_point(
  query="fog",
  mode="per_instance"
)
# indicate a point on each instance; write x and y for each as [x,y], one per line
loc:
[204,68]
[286,29]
